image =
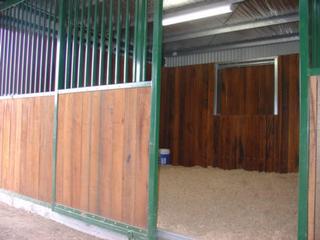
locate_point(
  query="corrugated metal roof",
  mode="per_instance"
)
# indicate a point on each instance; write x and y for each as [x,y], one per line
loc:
[245,12]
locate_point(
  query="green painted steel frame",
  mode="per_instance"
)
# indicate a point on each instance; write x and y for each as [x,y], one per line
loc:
[10,3]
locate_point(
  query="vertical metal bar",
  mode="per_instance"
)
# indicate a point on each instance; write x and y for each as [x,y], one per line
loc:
[155,120]
[29,29]
[15,54]
[88,46]
[118,44]
[95,45]
[42,65]
[54,42]
[127,43]
[144,41]
[19,49]
[110,42]
[102,42]
[24,46]
[33,32]
[135,41]
[60,61]
[11,57]
[48,33]
[304,122]
[7,54]
[69,47]
[81,52]
[37,32]
[3,52]
[75,45]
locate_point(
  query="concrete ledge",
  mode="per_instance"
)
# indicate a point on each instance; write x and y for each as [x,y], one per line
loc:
[19,202]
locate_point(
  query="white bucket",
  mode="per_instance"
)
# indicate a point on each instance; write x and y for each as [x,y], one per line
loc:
[164,156]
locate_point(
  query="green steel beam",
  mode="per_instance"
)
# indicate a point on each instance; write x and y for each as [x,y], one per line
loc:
[122,228]
[81,46]
[75,45]
[102,43]
[127,43]
[60,62]
[304,123]
[95,45]
[118,44]
[10,3]
[110,43]
[88,46]
[155,120]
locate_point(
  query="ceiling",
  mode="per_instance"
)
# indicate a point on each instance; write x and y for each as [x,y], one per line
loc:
[251,22]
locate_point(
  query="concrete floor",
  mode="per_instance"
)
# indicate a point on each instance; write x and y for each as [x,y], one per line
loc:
[20,225]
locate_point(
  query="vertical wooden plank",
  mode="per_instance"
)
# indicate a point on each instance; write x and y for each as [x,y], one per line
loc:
[6,145]
[17,146]
[2,104]
[313,111]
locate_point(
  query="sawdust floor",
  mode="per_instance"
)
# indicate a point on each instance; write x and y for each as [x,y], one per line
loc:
[20,225]
[228,204]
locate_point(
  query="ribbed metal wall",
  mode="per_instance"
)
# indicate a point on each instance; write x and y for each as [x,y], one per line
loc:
[232,55]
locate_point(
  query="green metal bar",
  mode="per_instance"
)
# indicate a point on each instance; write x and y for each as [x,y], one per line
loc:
[11,57]
[31,66]
[24,46]
[9,3]
[95,45]
[69,46]
[304,123]
[144,41]
[1,51]
[88,46]
[37,32]
[110,42]
[118,44]
[41,78]
[131,232]
[314,71]
[3,54]
[102,43]
[7,53]
[15,55]
[54,10]
[19,60]
[81,52]
[155,120]
[48,33]
[60,61]
[136,44]
[75,45]
[127,43]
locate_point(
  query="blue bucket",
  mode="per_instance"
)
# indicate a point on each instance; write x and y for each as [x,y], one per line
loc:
[164,156]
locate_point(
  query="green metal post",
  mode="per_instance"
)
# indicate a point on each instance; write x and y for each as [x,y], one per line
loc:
[69,46]
[81,45]
[60,61]
[15,57]
[102,42]
[32,57]
[110,43]
[1,51]
[37,32]
[48,33]
[118,44]
[127,43]
[136,46]
[88,46]
[155,120]
[53,9]
[11,57]
[304,122]
[43,26]
[75,45]
[95,45]
[23,62]
[144,40]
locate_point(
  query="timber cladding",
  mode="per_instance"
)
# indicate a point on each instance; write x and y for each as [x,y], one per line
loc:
[103,161]
[245,136]
[26,129]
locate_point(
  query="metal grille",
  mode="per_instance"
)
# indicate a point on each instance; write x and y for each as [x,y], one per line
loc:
[105,44]
[27,48]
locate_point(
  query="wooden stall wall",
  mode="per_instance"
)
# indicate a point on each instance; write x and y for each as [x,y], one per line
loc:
[26,129]
[252,141]
[103,161]
[314,164]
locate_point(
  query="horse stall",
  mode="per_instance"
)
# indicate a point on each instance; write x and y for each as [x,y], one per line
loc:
[75,109]
[151,119]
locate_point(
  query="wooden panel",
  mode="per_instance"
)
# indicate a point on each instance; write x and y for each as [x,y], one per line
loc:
[314,166]
[102,164]
[247,135]
[26,127]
